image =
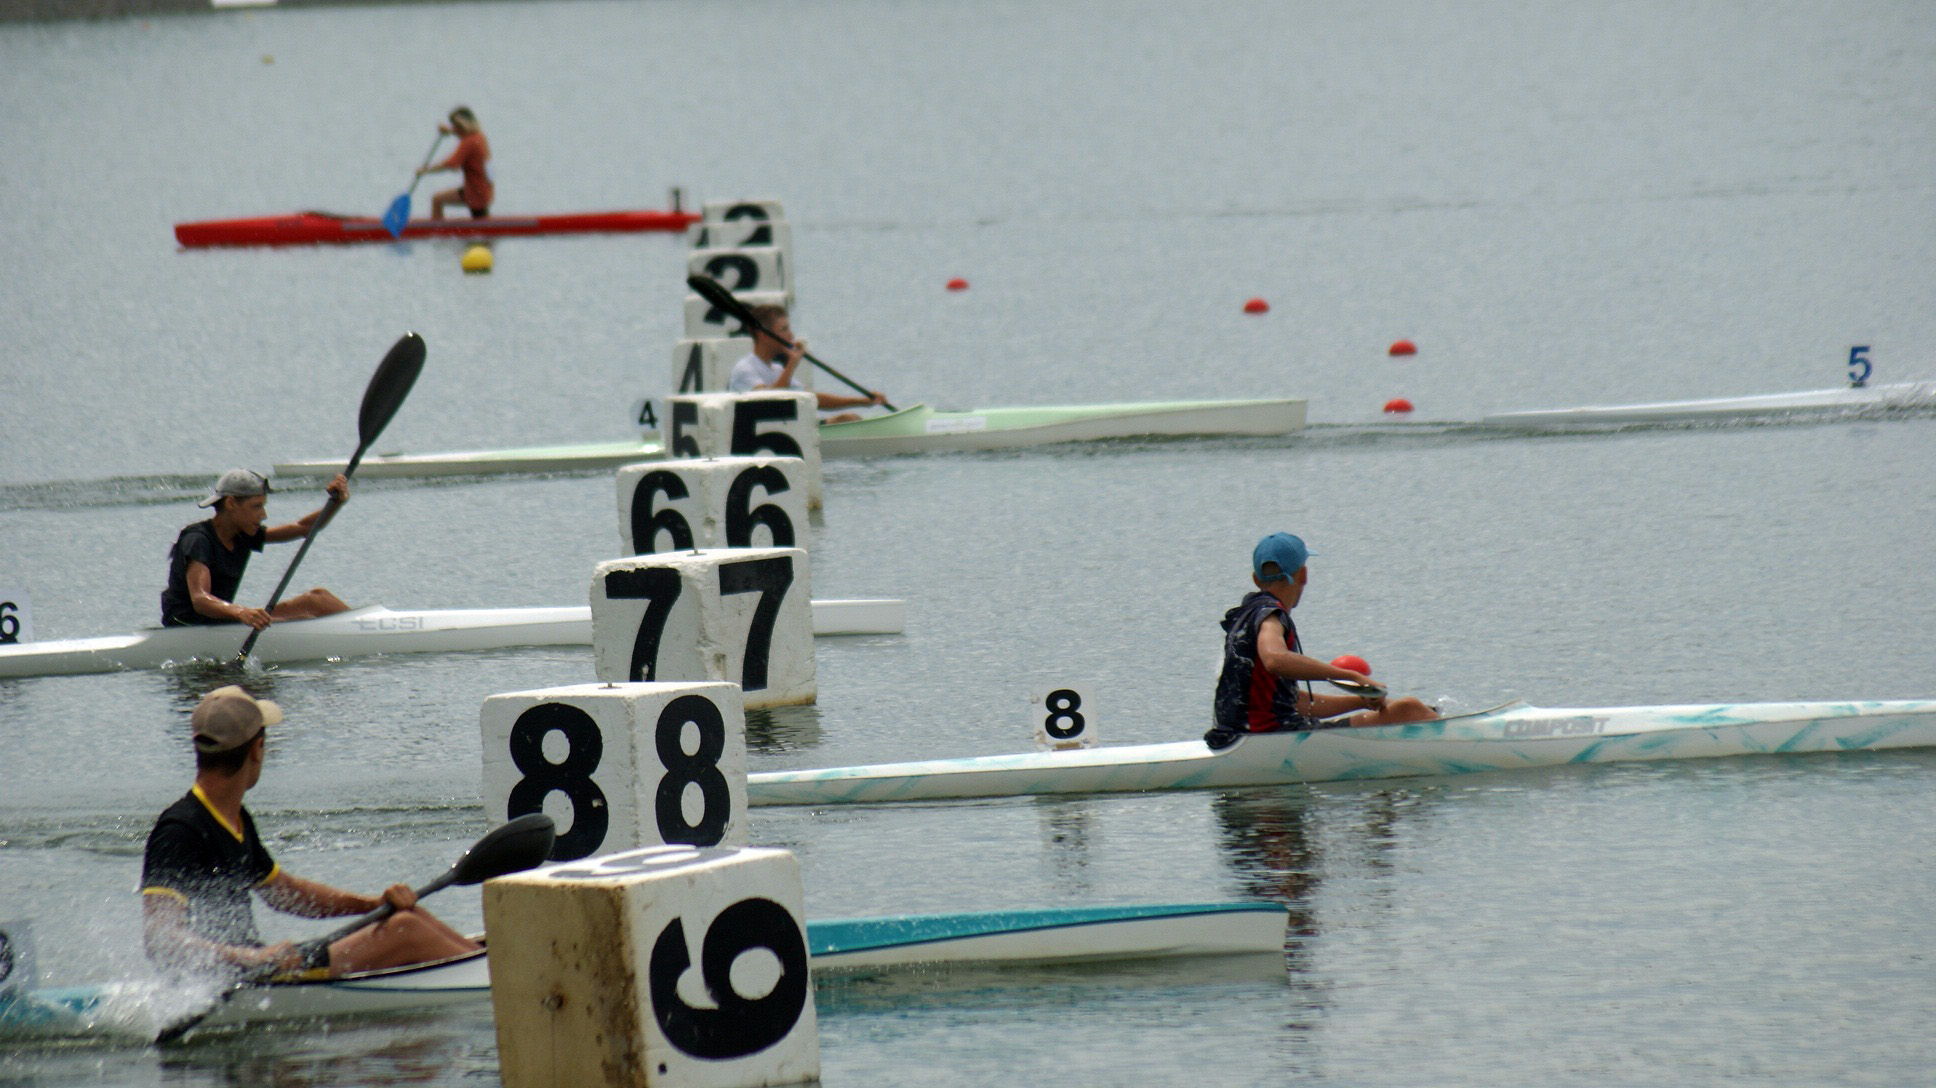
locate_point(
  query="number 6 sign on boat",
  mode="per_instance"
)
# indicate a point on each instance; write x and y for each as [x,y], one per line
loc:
[741,615]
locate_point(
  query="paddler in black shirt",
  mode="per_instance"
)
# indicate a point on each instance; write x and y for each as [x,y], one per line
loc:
[204,860]
[206,563]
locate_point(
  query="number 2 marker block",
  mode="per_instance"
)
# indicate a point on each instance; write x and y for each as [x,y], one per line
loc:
[770,423]
[619,766]
[741,615]
[667,966]
[728,502]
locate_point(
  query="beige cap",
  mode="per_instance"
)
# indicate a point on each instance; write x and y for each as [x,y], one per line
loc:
[228,718]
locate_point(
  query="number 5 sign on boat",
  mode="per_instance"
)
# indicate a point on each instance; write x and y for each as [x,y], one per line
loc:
[619,765]
[741,615]
[666,966]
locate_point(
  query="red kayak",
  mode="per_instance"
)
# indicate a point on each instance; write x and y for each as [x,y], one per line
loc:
[324,228]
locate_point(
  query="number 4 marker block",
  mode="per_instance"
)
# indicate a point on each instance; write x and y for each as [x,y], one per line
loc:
[741,615]
[705,366]
[666,966]
[726,502]
[619,766]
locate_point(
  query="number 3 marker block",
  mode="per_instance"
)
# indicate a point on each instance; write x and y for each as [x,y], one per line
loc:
[742,615]
[666,966]
[619,766]
[765,424]
[731,502]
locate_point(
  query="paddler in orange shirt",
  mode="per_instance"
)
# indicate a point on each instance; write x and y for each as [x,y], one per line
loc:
[473,151]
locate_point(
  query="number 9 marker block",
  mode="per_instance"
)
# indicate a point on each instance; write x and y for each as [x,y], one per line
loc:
[665,966]
[619,766]
[770,423]
[742,615]
[729,502]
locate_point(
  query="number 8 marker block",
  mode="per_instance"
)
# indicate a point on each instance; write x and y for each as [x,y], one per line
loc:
[665,966]
[742,615]
[771,423]
[728,502]
[619,766]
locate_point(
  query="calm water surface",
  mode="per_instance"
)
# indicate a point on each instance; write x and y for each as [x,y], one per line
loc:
[1560,206]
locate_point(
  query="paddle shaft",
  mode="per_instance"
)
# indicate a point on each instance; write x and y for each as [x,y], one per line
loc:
[428,155]
[322,520]
[714,292]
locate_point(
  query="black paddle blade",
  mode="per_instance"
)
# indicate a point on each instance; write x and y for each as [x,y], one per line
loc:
[389,385]
[712,291]
[524,843]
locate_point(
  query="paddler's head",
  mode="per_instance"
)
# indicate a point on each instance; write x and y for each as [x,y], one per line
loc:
[1278,567]
[240,499]
[774,320]
[230,728]
[462,121]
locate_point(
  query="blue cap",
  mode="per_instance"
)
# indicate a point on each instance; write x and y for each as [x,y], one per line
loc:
[1287,551]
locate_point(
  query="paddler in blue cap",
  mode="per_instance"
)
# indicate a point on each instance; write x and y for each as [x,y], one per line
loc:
[1263,661]
[206,563]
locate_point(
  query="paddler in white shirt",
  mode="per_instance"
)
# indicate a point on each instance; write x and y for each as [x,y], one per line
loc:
[771,365]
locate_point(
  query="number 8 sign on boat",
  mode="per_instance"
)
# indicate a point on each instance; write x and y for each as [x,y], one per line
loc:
[1064,717]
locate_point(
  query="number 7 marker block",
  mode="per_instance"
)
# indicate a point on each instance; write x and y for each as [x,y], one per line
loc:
[741,615]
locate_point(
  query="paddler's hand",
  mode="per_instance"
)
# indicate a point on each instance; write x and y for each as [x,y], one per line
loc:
[400,896]
[284,956]
[254,617]
[339,488]
[877,398]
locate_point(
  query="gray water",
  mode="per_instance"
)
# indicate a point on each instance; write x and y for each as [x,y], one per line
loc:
[1561,205]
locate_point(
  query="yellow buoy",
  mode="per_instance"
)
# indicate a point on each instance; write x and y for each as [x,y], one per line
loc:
[477,259]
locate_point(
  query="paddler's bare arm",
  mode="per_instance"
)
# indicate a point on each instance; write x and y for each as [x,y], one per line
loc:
[165,933]
[1274,650]
[339,490]
[215,608]
[310,899]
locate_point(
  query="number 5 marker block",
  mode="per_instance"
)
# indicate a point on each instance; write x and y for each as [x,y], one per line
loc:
[619,766]
[771,423]
[667,966]
[742,615]
[728,502]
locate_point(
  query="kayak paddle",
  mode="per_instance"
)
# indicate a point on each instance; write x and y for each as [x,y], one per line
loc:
[712,291]
[522,844]
[398,216]
[1367,690]
[388,386]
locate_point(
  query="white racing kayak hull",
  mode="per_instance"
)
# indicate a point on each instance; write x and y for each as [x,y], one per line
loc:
[1509,738]
[916,429]
[1894,397]
[1015,937]
[377,630]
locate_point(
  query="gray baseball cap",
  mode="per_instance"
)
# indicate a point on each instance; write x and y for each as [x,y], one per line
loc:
[238,483]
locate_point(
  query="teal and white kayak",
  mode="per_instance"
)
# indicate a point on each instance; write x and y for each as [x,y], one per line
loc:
[1900,396]
[377,630]
[1507,738]
[1095,934]
[916,429]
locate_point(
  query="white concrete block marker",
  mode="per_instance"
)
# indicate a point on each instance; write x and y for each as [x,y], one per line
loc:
[706,321]
[742,270]
[770,423]
[727,502]
[741,615]
[619,766]
[665,966]
[705,366]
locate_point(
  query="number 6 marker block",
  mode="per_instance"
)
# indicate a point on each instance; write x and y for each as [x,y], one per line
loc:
[728,502]
[742,615]
[770,423]
[665,966]
[619,766]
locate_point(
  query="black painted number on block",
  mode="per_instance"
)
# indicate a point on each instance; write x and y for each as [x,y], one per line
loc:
[698,768]
[1063,721]
[770,578]
[740,521]
[743,271]
[9,622]
[736,1026]
[659,587]
[647,524]
[685,420]
[585,746]
[750,441]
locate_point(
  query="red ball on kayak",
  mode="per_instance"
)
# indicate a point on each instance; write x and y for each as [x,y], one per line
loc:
[1403,347]
[1257,306]
[1353,662]
[1397,406]
[957,284]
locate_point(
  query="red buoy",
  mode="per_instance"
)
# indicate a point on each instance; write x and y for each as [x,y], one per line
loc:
[1257,306]
[957,284]
[1404,347]
[1352,662]
[1397,405]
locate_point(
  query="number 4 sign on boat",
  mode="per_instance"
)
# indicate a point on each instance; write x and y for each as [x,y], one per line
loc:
[1064,717]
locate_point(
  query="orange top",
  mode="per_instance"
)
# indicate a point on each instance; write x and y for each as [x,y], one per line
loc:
[473,151]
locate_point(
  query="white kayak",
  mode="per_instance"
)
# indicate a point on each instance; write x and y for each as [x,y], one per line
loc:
[1094,934]
[1506,738]
[915,429]
[377,630]
[1899,396]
